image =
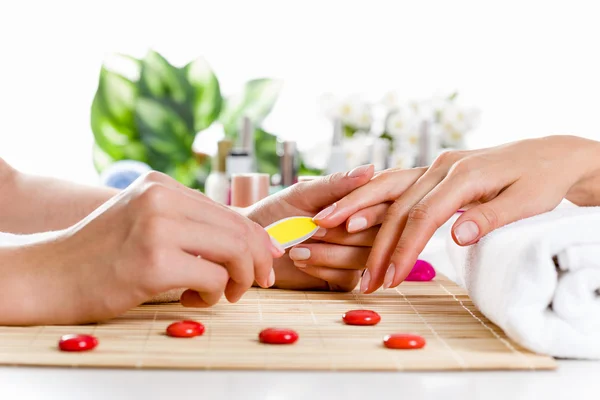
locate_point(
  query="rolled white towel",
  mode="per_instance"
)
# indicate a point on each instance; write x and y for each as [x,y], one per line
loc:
[539,280]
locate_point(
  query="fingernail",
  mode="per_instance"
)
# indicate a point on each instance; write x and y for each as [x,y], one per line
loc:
[364,283]
[358,171]
[271,280]
[357,224]
[466,232]
[325,212]
[389,276]
[320,233]
[300,265]
[299,253]
[277,246]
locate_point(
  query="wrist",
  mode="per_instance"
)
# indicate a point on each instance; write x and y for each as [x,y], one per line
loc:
[19,305]
[586,189]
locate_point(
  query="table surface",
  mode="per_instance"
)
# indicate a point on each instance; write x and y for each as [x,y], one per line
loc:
[572,380]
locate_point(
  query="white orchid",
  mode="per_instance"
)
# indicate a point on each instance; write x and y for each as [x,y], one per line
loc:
[353,111]
[357,149]
[402,159]
[455,122]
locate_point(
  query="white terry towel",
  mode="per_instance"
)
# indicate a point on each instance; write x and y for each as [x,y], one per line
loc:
[539,280]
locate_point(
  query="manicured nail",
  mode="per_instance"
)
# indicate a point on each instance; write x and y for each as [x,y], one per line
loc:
[299,253]
[364,283]
[357,224]
[271,280]
[321,232]
[358,171]
[466,232]
[389,276]
[325,212]
[300,265]
[277,246]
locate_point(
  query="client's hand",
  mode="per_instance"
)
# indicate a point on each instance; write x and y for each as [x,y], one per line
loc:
[333,259]
[498,186]
[155,236]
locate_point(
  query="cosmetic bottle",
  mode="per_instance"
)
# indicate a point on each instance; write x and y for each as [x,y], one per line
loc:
[249,188]
[337,158]
[217,182]
[289,162]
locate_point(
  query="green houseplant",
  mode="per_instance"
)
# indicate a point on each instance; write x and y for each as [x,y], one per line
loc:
[155,116]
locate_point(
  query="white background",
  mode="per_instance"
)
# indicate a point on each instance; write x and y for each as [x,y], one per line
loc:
[531,67]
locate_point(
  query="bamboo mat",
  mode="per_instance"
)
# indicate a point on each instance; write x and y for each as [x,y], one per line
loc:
[458,336]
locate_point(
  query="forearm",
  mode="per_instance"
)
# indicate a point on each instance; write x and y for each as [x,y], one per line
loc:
[586,191]
[30,203]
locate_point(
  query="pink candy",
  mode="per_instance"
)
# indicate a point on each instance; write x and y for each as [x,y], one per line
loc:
[421,272]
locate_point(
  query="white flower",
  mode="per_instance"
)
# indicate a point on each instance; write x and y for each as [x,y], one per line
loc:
[352,111]
[402,159]
[357,149]
[403,126]
[455,122]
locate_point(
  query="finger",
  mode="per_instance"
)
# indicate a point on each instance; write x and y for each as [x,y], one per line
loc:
[424,219]
[191,298]
[508,207]
[368,217]
[383,188]
[322,192]
[328,255]
[206,278]
[339,235]
[219,246]
[338,280]
[172,199]
[392,227]
[263,259]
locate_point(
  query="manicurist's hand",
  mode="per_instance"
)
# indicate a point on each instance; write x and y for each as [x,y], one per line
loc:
[497,186]
[332,259]
[155,236]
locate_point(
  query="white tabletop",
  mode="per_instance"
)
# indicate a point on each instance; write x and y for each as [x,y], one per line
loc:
[573,380]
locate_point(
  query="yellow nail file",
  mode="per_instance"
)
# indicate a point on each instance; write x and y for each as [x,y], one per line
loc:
[292,231]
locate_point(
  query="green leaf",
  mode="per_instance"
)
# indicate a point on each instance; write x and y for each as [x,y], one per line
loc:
[114,139]
[206,97]
[255,102]
[266,152]
[304,170]
[164,132]
[116,96]
[100,158]
[186,173]
[159,79]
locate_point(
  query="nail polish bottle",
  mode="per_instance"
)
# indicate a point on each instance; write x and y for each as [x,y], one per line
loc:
[217,183]
[337,159]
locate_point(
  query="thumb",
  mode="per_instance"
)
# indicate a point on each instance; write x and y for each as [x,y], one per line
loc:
[325,191]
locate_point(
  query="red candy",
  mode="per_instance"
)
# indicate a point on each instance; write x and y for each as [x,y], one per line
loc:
[361,317]
[403,341]
[422,271]
[77,342]
[277,336]
[185,329]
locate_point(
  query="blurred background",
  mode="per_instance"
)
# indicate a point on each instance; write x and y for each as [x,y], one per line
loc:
[84,84]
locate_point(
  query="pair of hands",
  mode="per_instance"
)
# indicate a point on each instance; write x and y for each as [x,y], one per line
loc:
[495,187]
[158,235]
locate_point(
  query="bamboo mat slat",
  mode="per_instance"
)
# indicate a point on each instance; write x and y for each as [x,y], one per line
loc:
[458,336]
